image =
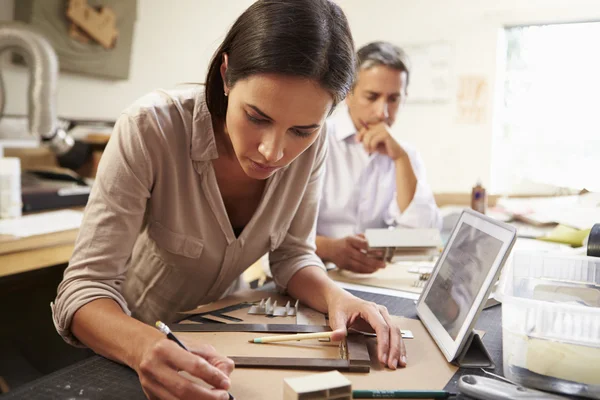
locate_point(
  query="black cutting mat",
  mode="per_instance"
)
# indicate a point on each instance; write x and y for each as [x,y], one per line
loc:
[95,378]
[100,379]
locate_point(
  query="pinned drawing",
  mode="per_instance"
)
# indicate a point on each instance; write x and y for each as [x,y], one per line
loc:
[431,78]
[471,99]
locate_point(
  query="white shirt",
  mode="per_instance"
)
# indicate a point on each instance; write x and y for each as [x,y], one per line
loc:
[360,189]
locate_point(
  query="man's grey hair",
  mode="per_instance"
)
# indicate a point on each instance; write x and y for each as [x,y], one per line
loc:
[383,53]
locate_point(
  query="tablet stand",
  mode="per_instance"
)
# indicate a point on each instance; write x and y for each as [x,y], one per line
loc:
[474,354]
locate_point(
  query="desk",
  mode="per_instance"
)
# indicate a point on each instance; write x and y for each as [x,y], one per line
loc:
[31,253]
[99,378]
[27,254]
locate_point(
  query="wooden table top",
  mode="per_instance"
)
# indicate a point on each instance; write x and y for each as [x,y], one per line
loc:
[35,252]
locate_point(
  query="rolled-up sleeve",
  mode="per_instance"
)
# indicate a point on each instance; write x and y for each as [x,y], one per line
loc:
[112,221]
[422,212]
[298,249]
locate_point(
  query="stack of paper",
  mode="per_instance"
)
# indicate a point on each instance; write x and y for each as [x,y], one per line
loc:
[43,223]
[404,244]
[580,212]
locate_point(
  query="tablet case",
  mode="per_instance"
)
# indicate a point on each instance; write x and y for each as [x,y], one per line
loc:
[474,354]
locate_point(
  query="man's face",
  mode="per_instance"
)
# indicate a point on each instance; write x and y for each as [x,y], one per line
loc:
[377,96]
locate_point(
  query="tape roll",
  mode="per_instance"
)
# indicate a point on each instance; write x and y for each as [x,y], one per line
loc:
[593,247]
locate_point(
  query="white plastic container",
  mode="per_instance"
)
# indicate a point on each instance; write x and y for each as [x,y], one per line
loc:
[551,323]
[10,187]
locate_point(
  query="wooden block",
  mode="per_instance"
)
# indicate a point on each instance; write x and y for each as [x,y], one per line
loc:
[100,25]
[327,386]
[78,34]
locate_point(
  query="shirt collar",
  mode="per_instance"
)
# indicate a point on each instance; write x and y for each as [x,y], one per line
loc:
[203,146]
[344,127]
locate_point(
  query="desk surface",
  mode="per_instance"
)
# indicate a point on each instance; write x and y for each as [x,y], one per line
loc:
[35,252]
[26,254]
[22,254]
[98,378]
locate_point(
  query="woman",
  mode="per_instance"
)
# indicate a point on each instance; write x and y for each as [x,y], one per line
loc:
[196,185]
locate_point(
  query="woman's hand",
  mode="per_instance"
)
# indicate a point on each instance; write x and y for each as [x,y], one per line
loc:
[347,311]
[159,366]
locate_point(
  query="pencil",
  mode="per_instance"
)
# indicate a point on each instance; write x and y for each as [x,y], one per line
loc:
[401,394]
[165,329]
[289,338]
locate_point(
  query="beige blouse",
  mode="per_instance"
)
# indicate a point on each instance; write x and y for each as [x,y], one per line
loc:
[156,237]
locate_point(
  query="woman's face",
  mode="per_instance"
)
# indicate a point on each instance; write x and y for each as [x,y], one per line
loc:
[271,119]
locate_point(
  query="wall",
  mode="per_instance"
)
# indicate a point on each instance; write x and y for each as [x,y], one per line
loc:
[174,41]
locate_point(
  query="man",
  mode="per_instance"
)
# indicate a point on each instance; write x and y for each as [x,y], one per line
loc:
[372,180]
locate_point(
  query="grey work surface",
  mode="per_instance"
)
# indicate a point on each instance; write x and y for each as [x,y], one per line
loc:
[99,378]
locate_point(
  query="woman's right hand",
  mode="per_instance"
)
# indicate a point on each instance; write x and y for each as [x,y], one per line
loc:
[159,366]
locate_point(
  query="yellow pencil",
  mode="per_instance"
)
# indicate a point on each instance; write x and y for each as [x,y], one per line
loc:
[288,338]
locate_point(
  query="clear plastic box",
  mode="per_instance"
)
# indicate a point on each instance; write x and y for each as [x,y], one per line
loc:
[551,323]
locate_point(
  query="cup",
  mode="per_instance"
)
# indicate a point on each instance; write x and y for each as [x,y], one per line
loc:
[10,187]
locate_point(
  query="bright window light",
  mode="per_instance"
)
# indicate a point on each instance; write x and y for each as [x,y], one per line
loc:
[549,129]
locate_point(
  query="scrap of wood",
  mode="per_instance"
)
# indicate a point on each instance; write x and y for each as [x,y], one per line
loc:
[354,349]
[100,25]
[312,364]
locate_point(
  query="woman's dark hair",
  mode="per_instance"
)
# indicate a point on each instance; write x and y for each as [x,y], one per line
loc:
[305,38]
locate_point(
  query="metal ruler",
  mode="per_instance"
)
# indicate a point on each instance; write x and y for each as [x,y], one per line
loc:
[259,328]
[265,328]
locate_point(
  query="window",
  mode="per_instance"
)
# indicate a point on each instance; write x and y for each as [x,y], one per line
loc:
[549,122]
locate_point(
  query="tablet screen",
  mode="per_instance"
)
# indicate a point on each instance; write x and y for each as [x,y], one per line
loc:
[461,276]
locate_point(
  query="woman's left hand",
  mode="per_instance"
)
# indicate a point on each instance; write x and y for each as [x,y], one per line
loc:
[347,311]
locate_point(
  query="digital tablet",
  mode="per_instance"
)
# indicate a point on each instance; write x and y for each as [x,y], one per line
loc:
[462,279]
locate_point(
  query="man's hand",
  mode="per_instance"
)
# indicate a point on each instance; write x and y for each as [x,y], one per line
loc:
[378,138]
[350,253]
